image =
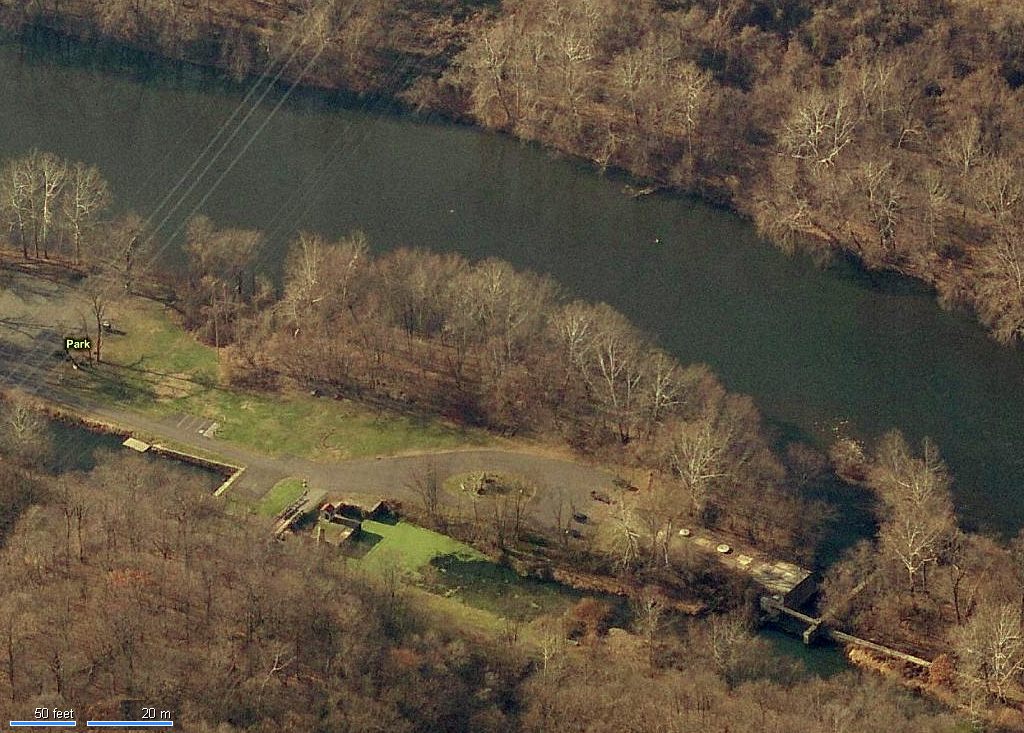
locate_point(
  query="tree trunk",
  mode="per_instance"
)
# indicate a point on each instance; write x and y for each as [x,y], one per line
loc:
[99,335]
[11,657]
[81,546]
[955,579]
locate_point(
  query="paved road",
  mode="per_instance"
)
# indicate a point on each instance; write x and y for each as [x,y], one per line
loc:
[558,478]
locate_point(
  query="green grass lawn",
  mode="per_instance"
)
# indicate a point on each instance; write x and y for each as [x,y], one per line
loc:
[462,575]
[283,493]
[159,369]
[411,548]
[320,428]
[152,342]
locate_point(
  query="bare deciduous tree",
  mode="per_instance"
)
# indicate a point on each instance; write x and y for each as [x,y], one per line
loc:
[425,482]
[620,535]
[663,382]
[996,185]
[991,650]
[962,145]
[918,515]
[17,200]
[96,292]
[85,197]
[882,188]
[1000,290]
[730,642]
[937,200]
[649,616]
[17,625]
[24,434]
[561,514]
[492,60]
[820,126]
[715,448]
[52,176]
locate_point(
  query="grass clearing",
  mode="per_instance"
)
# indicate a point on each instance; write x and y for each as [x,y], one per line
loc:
[157,368]
[411,548]
[499,590]
[461,575]
[321,428]
[152,342]
[283,493]
[453,611]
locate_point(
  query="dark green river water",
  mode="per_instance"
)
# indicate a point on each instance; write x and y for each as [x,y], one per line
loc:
[813,346]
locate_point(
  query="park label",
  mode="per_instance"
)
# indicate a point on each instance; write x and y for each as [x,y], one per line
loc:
[77,344]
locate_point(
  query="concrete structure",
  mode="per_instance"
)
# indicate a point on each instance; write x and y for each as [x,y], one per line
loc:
[791,585]
[817,627]
[336,534]
[384,511]
[136,444]
[297,510]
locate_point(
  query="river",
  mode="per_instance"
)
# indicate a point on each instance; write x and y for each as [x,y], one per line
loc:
[814,346]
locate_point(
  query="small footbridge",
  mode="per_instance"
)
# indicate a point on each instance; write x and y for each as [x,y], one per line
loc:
[816,627]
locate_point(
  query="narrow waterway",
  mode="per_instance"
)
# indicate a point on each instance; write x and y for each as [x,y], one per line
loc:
[815,347]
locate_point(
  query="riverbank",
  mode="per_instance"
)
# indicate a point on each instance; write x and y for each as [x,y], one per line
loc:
[428,60]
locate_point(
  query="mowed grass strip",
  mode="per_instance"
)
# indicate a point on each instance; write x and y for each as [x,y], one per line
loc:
[283,493]
[165,371]
[300,425]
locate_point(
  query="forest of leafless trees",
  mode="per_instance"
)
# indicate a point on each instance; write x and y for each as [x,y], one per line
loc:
[890,130]
[484,344]
[926,585]
[129,581]
[51,205]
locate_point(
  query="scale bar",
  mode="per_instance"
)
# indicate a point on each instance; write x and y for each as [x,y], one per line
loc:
[42,724]
[131,723]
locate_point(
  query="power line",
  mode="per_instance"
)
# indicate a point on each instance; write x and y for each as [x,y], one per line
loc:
[31,370]
[286,209]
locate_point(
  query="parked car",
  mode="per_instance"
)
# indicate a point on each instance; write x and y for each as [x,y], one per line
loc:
[580,518]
